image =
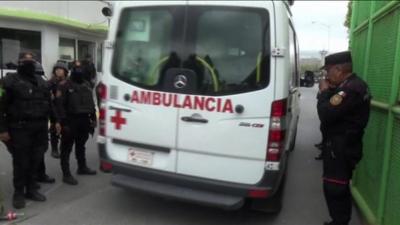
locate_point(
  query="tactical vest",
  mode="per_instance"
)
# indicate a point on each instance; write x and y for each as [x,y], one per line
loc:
[80,99]
[29,101]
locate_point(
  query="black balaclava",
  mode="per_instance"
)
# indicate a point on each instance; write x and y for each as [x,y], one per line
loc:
[77,74]
[26,68]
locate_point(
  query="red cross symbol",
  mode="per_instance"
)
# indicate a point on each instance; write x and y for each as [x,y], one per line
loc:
[118,120]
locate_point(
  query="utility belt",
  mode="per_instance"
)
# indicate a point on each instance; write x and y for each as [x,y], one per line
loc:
[341,155]
[74,118]
[348,134]
[28,120]
[23,123]
[80,115]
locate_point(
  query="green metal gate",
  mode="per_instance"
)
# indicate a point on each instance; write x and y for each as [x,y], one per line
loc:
[375,45]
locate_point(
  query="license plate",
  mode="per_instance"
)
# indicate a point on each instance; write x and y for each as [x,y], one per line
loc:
[140,157]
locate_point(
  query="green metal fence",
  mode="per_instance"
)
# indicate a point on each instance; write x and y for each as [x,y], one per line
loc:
[375,45]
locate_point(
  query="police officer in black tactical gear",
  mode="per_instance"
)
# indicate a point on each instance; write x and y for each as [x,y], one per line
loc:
[24,113]
[76,108]
[60,73]
[344,111]
[89,70]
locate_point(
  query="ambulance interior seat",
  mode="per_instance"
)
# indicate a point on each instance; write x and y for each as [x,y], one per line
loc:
[193,64]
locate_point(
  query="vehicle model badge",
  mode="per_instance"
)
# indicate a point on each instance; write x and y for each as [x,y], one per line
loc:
[180,81]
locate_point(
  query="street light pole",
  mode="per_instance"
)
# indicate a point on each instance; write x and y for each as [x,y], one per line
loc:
[323,54]
[329,31]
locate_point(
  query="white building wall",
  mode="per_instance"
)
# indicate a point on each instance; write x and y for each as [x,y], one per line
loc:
[88,12]
[50,40]
[84,11]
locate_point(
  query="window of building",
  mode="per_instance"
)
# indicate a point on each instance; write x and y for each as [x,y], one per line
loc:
[72,49]
[13,42]
[86,48]
[67,50]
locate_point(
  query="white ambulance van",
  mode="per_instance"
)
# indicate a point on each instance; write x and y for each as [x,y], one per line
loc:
[200,100]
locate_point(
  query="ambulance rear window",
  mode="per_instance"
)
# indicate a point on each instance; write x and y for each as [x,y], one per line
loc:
[227,48]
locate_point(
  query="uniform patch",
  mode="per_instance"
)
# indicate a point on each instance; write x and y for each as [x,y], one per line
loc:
[336,100]
[342,93]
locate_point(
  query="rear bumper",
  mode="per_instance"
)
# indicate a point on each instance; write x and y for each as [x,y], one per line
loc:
[187,188]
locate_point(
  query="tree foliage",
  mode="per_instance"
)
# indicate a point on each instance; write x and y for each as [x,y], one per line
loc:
[309,66]
[348,16]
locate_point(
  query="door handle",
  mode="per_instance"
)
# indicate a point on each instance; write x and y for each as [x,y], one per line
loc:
[119,109]
[193,119]
[293,90]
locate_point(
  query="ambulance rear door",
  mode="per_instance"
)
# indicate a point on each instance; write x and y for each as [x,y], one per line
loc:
[141,126]
[223,129]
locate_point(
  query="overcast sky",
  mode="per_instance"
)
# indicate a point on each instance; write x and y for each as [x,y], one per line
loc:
[314,36]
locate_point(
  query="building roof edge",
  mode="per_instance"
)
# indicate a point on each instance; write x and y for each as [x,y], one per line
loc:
[51,19]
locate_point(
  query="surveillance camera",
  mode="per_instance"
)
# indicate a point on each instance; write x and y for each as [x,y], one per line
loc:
[107,11]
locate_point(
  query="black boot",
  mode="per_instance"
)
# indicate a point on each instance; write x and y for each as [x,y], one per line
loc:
[83,169]
[86,171]
[18,200]
[69,179]
[319,157]
[34,195]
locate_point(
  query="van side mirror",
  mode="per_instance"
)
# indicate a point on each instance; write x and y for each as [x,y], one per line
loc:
[107,12]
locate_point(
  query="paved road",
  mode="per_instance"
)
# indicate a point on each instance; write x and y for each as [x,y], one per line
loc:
[95,202]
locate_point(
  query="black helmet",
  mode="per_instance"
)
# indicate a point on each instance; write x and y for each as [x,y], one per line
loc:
[77,74]
[61,65]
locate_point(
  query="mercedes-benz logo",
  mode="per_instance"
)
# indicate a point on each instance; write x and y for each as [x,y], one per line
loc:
[180,81]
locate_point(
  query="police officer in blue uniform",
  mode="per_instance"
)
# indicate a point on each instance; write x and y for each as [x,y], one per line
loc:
[24,113]
[344,111]
[77,119]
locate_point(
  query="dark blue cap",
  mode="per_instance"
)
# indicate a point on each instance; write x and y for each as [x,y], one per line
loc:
[337,58]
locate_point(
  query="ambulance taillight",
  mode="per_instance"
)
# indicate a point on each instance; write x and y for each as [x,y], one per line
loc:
[277,131]
[102,92]
[102,119]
